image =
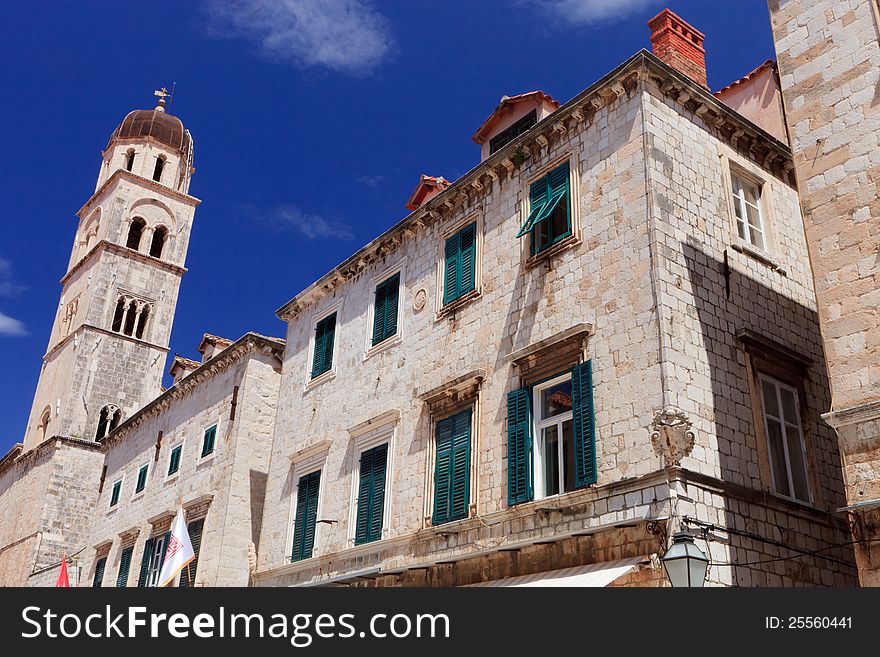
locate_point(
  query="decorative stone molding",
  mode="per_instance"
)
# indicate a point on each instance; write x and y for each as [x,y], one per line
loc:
[671,435]
[313,451]
[457,391]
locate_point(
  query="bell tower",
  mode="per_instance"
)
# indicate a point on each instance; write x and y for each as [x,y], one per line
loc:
[110,337]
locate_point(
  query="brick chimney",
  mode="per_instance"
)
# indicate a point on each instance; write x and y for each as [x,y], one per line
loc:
[679,44]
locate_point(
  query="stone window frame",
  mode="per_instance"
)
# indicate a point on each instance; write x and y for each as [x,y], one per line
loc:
[102,551]
[734,165]
[528,259]
[149,465]
[316,319]
[369,348]
[444,401]
[171,447]
[304,462]
[764,356]
[209,457]
[449,310]
[366,436]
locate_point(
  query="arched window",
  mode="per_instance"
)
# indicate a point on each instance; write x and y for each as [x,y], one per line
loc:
[43,427]
[142,322]
[130,318]
[129,159]
[159,237]
[116,326]
[134,233]
[108,420]
[160,164]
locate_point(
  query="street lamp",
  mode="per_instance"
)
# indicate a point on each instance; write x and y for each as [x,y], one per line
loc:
[684,562]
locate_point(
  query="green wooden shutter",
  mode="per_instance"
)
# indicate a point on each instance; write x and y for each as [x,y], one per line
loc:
[539,192]
[306,516]
[379,313]
[208,442]
[371,495]
[545,195]
[322,359]
[452,275]
[124,566]
[188,574]
[114,496]
[452,468]
[174,461]
[145,563]
[164,540]
[100,565]
[584,425]
[142,479]
[467,280]
[391,298]
[519,447]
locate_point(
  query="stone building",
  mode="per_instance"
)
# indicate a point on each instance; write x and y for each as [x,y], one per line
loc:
[604,332]
[829,61]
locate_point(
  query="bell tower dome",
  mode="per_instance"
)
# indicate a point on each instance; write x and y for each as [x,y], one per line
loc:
[110,337]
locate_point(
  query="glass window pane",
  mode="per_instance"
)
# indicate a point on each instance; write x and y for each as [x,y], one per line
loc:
[757,239]
[751,194]
[568,454]
[788,406]
[754,215]
[741,229]
[556,399]
[777,457]
[550,456]
[737,185]
[771,405]
[798,466]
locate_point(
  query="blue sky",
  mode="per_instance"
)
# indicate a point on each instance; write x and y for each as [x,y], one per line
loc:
[312,120]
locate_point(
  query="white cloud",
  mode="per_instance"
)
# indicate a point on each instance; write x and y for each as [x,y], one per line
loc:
[10,326]
[8,289]
[343,35]
[310,226]
[371,181]
[581,12]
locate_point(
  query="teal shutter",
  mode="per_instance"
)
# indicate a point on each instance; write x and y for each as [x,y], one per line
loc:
[519,447]
[145,563]
[188,574]
[379,313]
[100,565]
[142,479]
[164,541]
[174,461]
[544,197]
[468,259]
[208,442]
[114,496]
[322,358]
[385,309]
[453,268]
[371,495]
[306,516]
[124,566]
[584,425]
[452,468]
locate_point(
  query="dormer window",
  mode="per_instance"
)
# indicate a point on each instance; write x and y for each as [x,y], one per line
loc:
[504,137]
[160,164]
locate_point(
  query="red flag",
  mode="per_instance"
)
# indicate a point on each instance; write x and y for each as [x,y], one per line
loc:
[62,580]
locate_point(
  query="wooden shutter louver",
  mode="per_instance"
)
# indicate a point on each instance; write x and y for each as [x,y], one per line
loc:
[519,447]
[584,425]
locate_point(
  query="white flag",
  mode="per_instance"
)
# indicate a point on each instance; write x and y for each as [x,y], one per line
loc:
[179,552]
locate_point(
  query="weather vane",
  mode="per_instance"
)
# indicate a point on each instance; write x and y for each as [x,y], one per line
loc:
[163,93]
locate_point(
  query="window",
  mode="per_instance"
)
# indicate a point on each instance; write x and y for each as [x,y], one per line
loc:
[460,255]
[158,241]
[558,413]
[124,567]
[43,426]
[322,356]
[142,478]
[208,441]
[174,460]
[129,159]
[160,165]
[142,321]
[130,317]
[371,495]
[154,557]
[306,516]
[114,495]
[452,468]
[188,574]
[108,419]
[785,440]
[385,309]
[549,219]
[747,206]
[100,565]
[135,230]
[508,135]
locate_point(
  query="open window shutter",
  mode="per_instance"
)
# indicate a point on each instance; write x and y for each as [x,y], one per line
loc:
[377,494]
[442,471]
[453,267]
[311,514]
[519,447]
[468,259]
[299,523]
[584,425]
[188,574]
[364,503]
[124,567]
[392,292]
[558,179]
[379,309]
[461,466]
[538,194]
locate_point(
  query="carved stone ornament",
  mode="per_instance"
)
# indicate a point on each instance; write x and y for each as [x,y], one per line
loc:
[671,435]
[420,299]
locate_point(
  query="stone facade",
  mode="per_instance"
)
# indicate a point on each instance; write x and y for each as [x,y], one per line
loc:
[829,61]
[235,391]
[654,287]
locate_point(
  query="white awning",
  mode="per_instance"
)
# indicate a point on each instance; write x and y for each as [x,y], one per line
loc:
[593,575]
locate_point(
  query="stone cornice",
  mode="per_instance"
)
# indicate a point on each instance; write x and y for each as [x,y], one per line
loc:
[122,174]
[16,454]
[248,343]
[856,414]
[577,114]
[113,247]
[97,329]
